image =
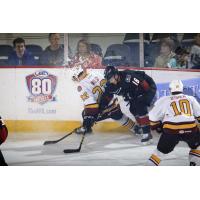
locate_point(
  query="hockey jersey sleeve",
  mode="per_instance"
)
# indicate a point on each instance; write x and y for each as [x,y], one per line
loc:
[91,106]
[156,115]
[196,108]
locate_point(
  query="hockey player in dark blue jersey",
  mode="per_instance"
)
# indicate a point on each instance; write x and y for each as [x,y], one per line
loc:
[138,89]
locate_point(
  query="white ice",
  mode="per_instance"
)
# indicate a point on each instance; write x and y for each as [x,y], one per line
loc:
[99,149]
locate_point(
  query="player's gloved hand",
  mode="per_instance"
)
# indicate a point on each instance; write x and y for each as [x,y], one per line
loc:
[127,97]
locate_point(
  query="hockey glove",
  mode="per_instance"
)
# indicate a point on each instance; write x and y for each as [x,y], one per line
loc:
[127,97]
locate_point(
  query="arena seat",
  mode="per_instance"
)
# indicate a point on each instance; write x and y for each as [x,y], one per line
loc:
[132,40]
[95,48]
[187,41]
[5,50]
[36,50]
[117,55]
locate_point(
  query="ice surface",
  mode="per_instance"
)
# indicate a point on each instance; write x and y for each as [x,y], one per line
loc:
[99,149]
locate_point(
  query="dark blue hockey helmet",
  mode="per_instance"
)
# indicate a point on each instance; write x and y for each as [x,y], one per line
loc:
[109,72]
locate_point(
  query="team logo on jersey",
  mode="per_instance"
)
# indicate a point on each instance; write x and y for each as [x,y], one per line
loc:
[41,86]
[79,88]
[84,96]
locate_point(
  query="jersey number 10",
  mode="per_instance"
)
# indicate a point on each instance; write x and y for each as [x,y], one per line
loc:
[184,107]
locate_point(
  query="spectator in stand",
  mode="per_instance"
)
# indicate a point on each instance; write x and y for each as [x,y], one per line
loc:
[182,58]
[53,55]
[85,57]
[166,59]
[20,56]
[195,53]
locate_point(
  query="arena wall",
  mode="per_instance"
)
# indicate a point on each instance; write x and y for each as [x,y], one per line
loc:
[46,99]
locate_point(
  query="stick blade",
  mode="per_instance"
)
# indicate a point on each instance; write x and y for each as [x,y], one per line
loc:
[49,142]
[71,150]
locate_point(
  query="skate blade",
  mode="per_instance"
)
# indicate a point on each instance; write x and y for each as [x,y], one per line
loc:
[148,142]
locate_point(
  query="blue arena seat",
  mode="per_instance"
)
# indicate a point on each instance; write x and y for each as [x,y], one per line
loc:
[95,48]
[117,55]
[187,40]
[5,50]
[132,40]
[36,50]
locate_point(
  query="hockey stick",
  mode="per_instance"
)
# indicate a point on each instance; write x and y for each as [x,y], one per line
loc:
[56,141]
[75,150]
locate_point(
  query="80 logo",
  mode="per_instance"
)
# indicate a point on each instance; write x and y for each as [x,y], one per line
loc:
[41,86]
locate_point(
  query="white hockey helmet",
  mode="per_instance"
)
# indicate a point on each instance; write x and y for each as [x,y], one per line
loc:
[76,72]
[176,86]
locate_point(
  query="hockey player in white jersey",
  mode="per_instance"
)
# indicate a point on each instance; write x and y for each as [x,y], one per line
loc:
[175,118]
[90,87]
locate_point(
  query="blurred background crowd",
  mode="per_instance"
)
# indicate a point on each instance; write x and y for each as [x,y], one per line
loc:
[160,50]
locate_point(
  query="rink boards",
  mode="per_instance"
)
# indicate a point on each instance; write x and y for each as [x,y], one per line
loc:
[46,99]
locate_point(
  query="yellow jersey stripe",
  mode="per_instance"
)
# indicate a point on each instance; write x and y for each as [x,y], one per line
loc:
[96,105]
[195,151]
[154,123]
[179,126]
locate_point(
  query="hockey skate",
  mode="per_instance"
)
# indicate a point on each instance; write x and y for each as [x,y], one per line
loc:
[137,130]
[193,164]
[147,139]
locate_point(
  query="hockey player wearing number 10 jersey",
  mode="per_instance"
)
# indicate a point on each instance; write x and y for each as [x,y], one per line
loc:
[90,87]
[174,116]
